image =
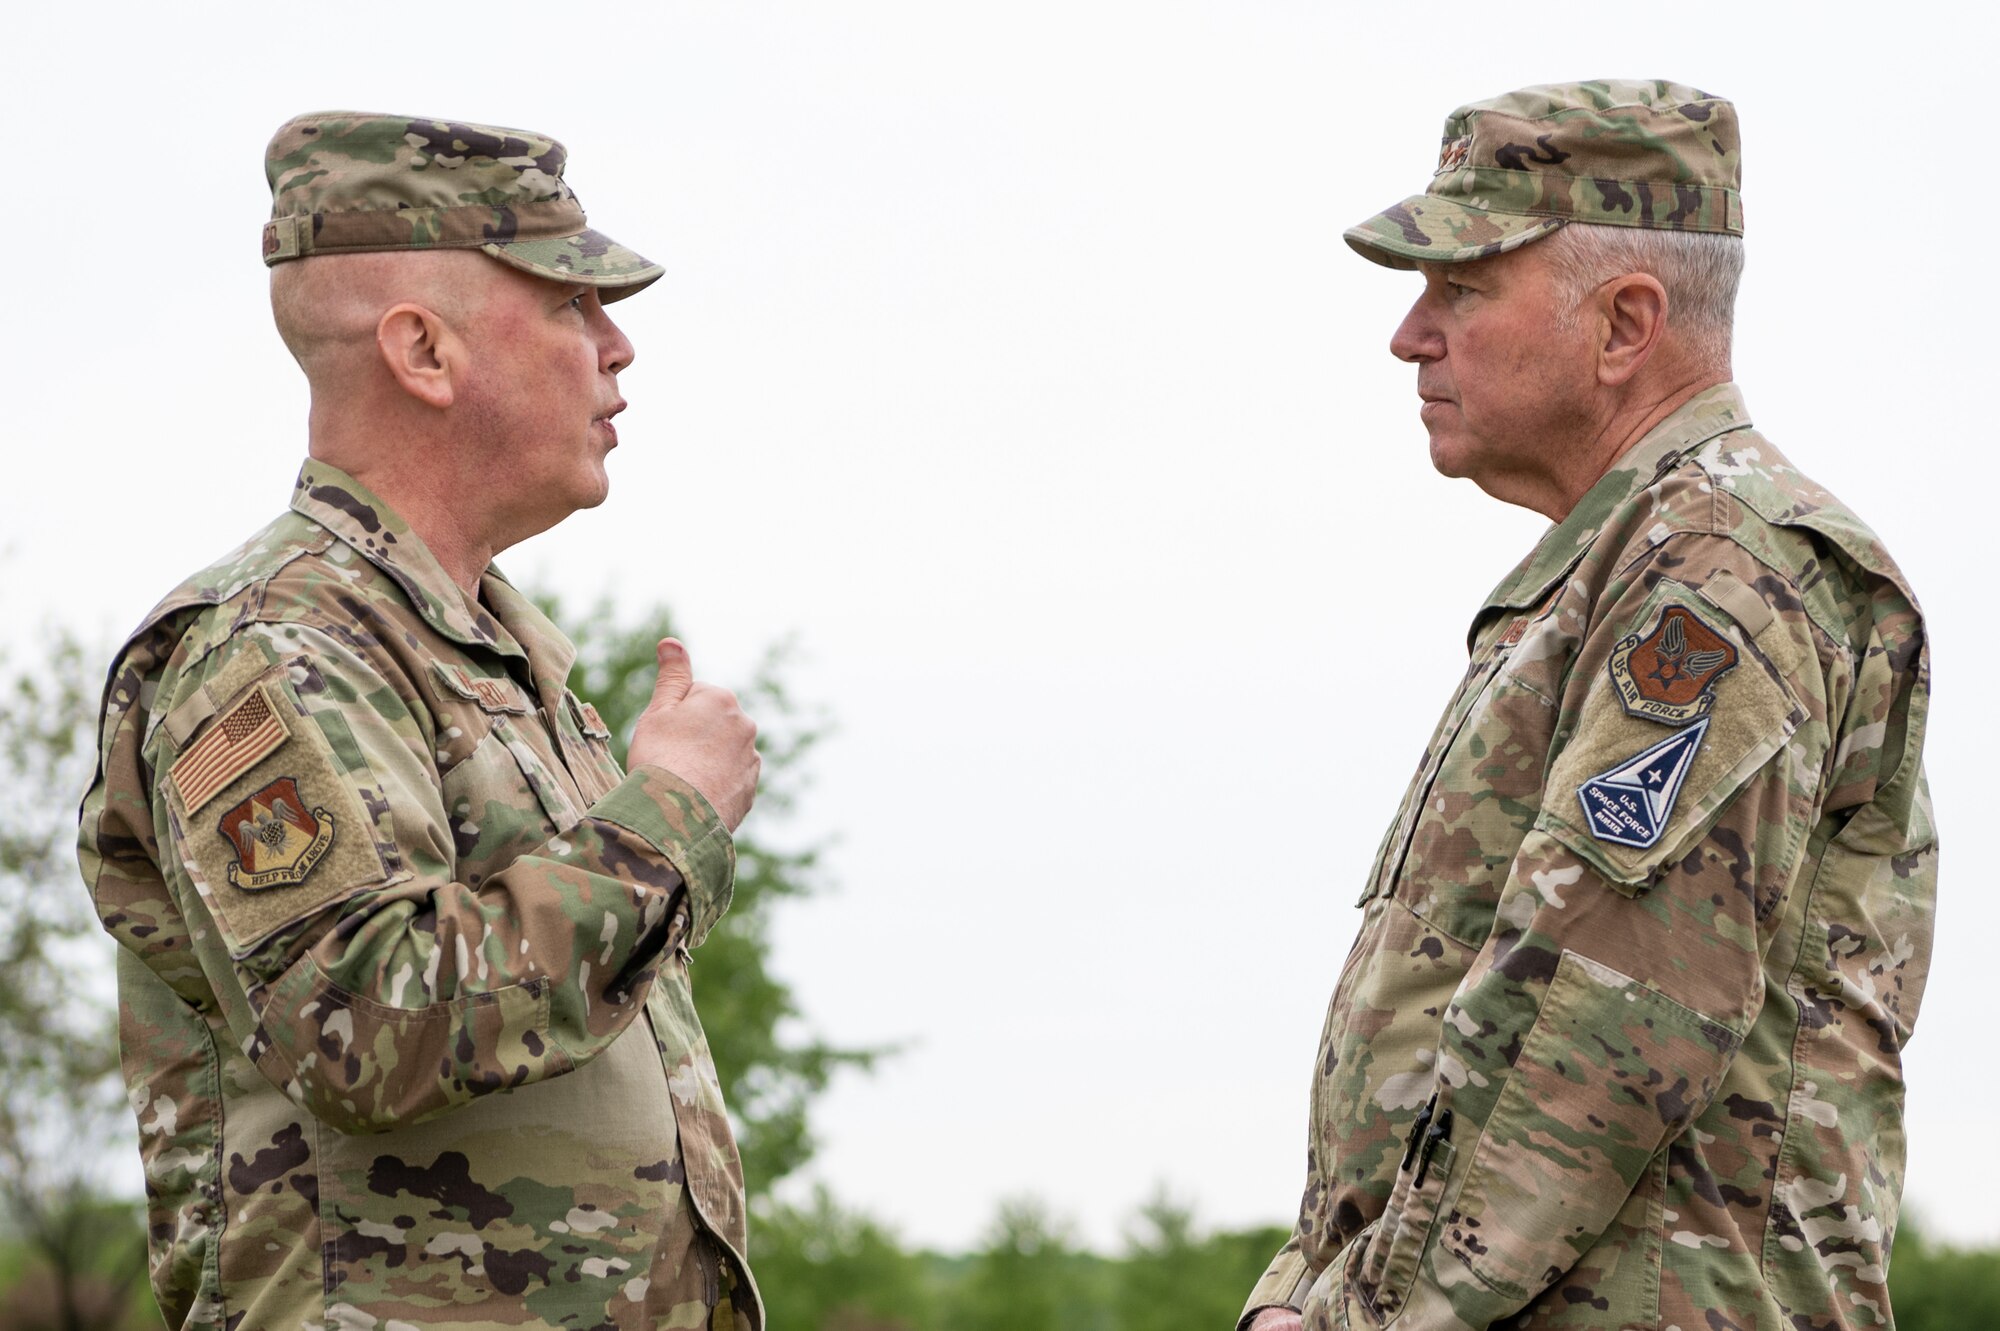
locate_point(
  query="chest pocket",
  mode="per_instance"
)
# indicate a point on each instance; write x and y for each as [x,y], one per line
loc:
[505,792]
[1479,790]
[588,741]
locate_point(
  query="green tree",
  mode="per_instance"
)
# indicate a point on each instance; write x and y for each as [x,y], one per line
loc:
[1030,1276]
[770,1071]
[824,1268]
[62,1105]
[1174,1278]
[1938,1287]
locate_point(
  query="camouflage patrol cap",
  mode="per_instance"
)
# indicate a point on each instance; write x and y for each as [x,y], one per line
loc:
[1616,152]
[343,182]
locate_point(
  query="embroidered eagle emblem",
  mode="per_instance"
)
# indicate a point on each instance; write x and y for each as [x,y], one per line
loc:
[1668,675]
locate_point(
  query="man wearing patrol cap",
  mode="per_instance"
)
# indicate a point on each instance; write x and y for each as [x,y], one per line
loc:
[403,968]
[1618,1044]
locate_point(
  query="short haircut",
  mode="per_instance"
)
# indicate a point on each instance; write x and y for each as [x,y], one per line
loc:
[1700,271]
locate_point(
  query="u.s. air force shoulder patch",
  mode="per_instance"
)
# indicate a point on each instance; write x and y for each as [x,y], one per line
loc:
[1668,674]
[292,833]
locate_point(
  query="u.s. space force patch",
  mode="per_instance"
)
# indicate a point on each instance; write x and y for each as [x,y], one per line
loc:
[1630,803]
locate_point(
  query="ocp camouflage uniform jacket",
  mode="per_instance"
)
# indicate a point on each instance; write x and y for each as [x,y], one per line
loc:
[403,967]
[1619,1042]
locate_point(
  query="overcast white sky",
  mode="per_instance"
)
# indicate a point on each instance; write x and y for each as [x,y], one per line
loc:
[1009,358]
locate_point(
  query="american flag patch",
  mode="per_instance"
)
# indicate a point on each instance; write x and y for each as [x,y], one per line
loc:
[240,737]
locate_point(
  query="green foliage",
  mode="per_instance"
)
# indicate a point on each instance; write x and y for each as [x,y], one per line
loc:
[1937,1287]
[62,1105]
[770,1073]
[820,1266]
[56,1042]
[1029,1276]
[1174,1279]
[823,1268]
[98,1285]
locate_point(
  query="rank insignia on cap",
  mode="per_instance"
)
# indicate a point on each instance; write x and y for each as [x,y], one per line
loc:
[277,841]
[1630,803]
[1669,675]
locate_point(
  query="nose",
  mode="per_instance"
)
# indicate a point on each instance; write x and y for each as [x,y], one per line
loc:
[614,349]
[1417,338]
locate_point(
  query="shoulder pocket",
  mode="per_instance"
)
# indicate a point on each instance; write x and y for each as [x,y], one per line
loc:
[267,816]
[1683,711]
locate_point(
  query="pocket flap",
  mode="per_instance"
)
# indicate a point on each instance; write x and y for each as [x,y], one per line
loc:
[491,694]
[587,719]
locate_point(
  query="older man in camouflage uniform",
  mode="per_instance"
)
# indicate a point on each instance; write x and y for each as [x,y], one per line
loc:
[403,963]
[1619,1043]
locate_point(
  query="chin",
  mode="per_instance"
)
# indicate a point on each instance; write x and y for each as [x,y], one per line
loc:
[1447,460]
[594,489]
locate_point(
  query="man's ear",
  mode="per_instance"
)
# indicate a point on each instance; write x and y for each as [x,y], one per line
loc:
[1634,312]
[422,353]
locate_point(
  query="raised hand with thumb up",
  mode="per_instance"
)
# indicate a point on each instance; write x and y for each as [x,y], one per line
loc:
[699,733]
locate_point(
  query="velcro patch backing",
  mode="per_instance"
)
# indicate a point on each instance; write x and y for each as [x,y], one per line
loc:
[238,739]
[1628,799]
[285,831]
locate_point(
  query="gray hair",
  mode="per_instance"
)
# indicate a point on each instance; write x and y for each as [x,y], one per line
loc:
[1700,271]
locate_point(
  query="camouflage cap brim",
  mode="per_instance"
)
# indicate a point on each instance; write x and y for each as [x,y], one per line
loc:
[589,257]
[347,182]
[1436,230]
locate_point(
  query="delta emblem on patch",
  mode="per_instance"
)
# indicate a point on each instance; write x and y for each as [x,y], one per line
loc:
[1630,804]
[1669,675]
[276,839]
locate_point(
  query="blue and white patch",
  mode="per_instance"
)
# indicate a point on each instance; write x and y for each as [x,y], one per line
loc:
[1630,803]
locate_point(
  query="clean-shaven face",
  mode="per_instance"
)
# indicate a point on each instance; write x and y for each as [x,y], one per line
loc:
[1504,389]
[544,379]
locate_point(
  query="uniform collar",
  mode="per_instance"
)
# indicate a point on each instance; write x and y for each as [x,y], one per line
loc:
[1709,413]
[550,653]
[355,514]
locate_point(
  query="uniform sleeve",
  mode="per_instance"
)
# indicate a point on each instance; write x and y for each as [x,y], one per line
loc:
[1624,968]
[1283,1284]
[300,810]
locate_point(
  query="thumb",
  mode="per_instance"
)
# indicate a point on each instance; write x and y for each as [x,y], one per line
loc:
[676,673]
